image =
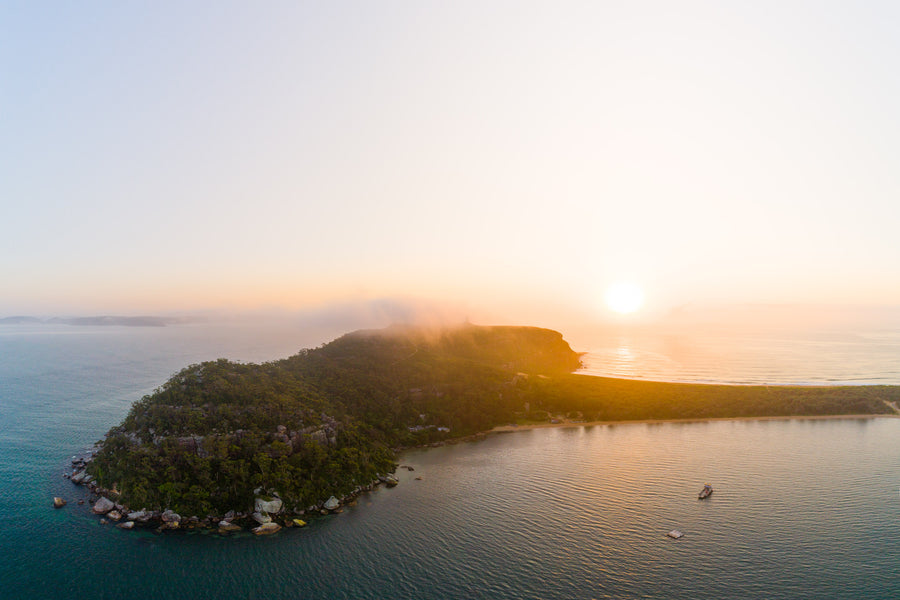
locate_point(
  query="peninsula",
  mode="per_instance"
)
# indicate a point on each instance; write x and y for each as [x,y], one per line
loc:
[306,433]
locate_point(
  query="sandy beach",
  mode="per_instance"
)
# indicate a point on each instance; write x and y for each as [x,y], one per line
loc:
[525,427]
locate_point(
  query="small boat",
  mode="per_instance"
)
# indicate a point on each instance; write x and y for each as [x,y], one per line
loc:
[299,523]
[675,534]
[705,492]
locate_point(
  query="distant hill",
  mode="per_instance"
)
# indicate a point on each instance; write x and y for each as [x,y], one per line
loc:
[19,320]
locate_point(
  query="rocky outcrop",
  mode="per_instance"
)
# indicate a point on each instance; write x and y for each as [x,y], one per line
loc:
[170,516]
[320,437]
[141,516]
[102,506]
[227,527]
[272,507]
[389,480]
[267,503]
[267,529]
[170,520]
[261,518]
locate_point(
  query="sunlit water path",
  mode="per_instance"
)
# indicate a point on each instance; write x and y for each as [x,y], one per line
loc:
[852,358]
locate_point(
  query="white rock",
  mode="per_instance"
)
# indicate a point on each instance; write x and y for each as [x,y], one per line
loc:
[331,504]
[267,528]
[103,506]
[261,518]
[170,516]
[273,506]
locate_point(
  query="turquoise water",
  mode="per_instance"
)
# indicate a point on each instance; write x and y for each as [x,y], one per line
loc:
[802,509]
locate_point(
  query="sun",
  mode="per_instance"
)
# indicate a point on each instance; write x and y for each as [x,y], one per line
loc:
[624,297]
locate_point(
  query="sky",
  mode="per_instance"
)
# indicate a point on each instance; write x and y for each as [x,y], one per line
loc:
[504,160]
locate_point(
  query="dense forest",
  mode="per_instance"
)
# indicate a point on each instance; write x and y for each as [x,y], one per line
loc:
[321,422]
[327,420]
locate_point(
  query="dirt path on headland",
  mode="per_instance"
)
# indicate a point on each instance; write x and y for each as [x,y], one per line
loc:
[892,406]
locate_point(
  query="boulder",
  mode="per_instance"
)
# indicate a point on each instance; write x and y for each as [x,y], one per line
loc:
[331,504]
[227,527]
[261,518]
[273,506]
[126,525]
[103,505]
[170,516]
[114,515]
[78,477]
[267,529]
[139,515]
[58,502]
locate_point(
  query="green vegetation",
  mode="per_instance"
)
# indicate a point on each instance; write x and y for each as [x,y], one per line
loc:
[319,423]
[604,399]
[324,421]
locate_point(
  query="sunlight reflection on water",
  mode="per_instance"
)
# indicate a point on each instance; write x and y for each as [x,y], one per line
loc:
[853,360]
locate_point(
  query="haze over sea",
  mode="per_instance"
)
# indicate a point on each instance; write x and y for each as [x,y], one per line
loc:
[802,509]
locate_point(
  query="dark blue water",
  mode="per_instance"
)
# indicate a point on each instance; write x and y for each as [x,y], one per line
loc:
[802,509]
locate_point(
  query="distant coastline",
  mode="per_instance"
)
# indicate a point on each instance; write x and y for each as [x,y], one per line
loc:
[101,321]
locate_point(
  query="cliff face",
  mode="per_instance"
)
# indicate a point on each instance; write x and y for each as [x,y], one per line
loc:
[319,423]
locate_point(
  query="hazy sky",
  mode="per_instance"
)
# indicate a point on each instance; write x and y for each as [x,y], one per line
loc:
[513,158]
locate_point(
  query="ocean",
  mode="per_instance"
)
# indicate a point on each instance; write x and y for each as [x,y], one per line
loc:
[838,357]
[802,508]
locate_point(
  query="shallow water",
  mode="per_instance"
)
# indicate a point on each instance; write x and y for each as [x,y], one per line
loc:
[802,509]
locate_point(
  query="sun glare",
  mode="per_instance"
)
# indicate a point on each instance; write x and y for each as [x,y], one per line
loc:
[624,297]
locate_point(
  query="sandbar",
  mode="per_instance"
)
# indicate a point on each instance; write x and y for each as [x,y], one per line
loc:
[527,426]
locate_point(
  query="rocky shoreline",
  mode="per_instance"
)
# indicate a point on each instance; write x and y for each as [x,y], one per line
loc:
[268,515]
